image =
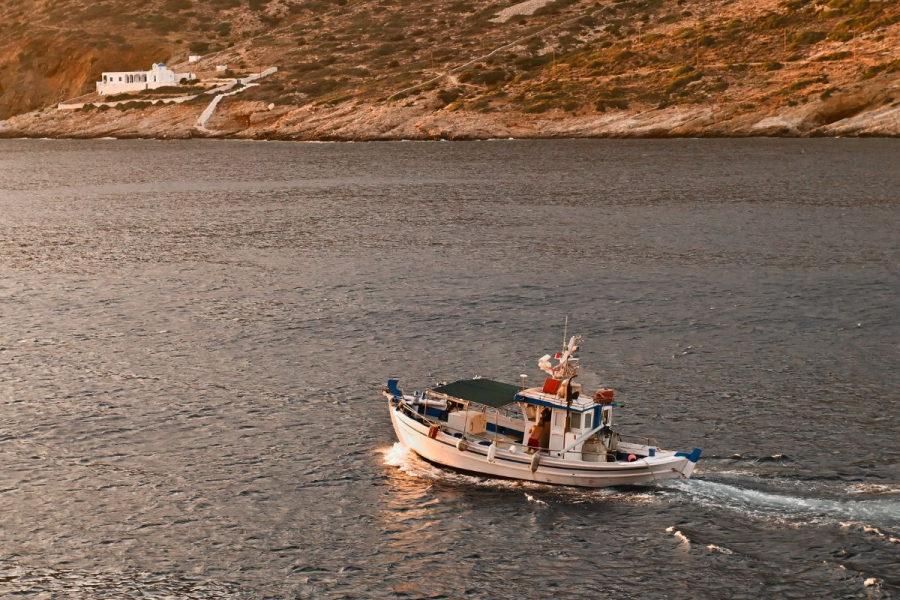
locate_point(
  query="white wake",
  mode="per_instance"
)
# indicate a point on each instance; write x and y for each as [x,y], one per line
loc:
[761,504]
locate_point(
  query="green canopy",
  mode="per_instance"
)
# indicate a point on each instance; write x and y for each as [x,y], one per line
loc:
[482,391]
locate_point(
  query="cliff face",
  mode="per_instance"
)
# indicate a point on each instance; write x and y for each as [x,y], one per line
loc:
[51,50]
[389,69]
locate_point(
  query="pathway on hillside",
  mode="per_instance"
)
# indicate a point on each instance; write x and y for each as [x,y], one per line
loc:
[211,108]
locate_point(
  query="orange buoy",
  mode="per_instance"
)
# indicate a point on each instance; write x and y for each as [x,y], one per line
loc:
[632,458]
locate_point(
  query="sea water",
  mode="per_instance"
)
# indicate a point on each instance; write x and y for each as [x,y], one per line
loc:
[195,335]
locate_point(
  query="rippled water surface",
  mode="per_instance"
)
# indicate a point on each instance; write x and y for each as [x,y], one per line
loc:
[193,336]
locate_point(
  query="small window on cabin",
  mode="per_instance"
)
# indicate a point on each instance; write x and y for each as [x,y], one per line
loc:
[587,420]
[576,421]
[530,412]
[606,412]
[559,419]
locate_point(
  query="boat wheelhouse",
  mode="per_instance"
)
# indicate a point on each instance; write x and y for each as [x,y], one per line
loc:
[552,433]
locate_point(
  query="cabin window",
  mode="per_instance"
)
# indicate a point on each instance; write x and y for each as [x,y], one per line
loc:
[587,420]
[530,412]
[559,418]
[576,421]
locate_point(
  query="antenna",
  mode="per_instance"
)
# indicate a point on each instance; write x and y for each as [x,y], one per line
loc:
[565,332]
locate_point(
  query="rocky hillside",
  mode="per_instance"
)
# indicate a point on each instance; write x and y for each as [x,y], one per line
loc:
[374,69]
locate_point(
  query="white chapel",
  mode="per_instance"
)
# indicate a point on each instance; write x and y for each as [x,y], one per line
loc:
[130,81]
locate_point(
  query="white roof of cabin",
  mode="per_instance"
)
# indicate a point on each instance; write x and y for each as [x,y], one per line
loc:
[580,404]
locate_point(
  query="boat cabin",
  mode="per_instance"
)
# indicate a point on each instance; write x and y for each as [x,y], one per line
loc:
[570,425]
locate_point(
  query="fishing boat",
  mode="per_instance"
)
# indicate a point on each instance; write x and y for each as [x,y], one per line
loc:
[552,434]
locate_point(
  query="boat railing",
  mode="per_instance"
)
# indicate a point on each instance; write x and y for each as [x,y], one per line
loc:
[510,411]
[424,419]
[500,439]
[504,412]
[506,444]
[633,439]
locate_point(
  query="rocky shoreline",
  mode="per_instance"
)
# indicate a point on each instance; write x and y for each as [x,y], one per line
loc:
[866,111]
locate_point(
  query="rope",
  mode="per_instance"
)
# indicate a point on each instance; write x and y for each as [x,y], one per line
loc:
[655,480]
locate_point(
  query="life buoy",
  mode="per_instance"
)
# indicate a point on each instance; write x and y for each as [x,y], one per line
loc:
[433,431]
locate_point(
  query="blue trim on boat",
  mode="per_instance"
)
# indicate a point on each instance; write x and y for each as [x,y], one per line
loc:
[393,389]
[437,413]
[535,401]
[502,430]
[694,456]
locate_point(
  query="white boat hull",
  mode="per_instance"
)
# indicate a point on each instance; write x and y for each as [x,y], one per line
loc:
[442,450]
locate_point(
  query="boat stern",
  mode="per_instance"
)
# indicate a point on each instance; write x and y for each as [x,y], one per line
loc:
[691,461]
